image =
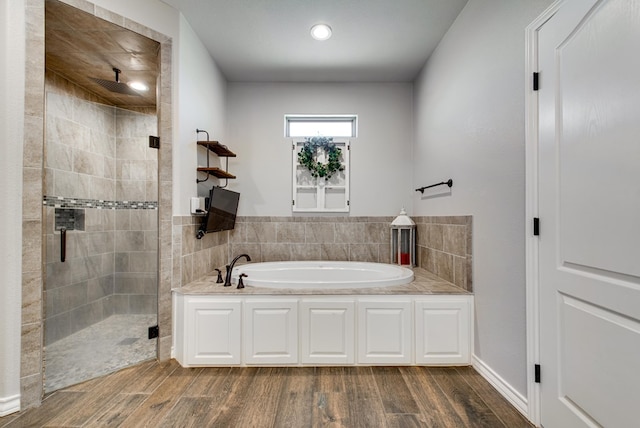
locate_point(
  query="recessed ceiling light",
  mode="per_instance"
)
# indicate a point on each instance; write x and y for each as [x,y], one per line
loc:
[138,86]
[321,31]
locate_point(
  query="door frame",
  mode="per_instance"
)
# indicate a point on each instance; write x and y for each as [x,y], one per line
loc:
[532,266]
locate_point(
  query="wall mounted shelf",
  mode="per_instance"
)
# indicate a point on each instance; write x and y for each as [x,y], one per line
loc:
[221,151]
[217,148]
[216,172]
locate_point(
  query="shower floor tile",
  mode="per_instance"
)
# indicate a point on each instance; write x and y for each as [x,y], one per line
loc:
[117,342]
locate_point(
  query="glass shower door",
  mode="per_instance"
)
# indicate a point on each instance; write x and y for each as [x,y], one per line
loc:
[101,239]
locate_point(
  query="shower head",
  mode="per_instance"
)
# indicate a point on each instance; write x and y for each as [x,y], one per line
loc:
[116,86]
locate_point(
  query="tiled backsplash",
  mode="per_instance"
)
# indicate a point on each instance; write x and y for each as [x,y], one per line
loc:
[312,238]
[194,258]
[445,248]
[444,243]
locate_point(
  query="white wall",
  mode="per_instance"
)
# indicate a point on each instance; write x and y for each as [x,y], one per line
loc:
[380,155]
[469,109]
[12,66]
[202,101]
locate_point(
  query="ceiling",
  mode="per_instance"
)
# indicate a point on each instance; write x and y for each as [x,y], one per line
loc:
[268,40]
[80,46]
[257,41]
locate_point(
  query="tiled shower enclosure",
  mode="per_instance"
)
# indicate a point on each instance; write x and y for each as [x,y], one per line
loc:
[101,217]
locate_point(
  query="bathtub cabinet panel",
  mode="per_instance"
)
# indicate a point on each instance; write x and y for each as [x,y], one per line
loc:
[384,332]
[212,332]
[327,332]
[443,331]
[271,331]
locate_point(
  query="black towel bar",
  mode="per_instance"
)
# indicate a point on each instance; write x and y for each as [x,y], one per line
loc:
[449,183]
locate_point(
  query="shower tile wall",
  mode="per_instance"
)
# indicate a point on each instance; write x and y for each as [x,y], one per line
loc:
[111,266]
[136,238]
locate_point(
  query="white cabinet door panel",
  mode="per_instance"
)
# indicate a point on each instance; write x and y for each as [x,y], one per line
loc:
[443,331]
[271,331]
[327,332]
[212,332]
[384,332]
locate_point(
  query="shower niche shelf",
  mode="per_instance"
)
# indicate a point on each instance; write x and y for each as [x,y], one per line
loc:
[221,151]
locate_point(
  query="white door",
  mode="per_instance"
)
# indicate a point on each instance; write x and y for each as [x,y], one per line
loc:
[589,205]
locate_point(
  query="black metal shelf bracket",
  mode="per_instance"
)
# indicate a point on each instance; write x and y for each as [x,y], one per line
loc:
[449,183]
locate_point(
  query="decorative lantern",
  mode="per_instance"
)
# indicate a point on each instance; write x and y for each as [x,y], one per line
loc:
[403,240]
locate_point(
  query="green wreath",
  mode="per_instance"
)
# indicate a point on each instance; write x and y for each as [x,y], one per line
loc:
[307,157]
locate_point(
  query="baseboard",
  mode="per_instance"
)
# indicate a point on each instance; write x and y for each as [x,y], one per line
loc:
[9,405]
[506,390]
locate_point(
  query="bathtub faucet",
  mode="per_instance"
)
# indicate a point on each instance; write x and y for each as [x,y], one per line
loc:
[227,281]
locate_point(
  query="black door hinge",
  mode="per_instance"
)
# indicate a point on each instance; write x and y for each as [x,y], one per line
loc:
[154,142]
[154,331]
[536,373]
[536,80]
[536,226]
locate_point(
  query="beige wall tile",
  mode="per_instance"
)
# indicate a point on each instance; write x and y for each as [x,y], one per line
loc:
[261,232]
[334,252]
[305,252]
[275,252]
[363,252]
[350,233]
[320,233]
[455,240]
[290,232]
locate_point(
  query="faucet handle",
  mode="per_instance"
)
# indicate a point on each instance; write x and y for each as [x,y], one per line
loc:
[240,282]
[219,280]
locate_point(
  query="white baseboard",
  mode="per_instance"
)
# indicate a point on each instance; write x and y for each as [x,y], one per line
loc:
[507,391]
[9,405]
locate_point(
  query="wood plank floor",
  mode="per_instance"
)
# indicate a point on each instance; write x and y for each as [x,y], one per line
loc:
[156,394]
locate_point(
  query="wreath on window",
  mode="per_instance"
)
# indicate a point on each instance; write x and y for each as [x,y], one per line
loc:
[308,157]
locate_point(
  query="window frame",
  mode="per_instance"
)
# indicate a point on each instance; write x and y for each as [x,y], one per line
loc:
[352,118]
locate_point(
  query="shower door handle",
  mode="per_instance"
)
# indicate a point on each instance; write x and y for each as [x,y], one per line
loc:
[63,244]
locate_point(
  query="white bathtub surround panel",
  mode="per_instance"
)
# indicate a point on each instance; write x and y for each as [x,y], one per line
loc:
[321,329]
[327,330]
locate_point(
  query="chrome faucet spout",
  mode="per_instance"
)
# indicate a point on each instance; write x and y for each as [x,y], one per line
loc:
[227,281]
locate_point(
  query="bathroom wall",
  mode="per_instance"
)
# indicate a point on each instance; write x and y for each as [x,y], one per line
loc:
[380,178]
[98,159]
[12,85]
[469,119]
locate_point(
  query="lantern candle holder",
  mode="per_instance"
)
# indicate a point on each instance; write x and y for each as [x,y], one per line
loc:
[403,240]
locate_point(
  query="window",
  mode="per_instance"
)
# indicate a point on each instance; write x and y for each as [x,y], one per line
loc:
[327,126]
[320,194]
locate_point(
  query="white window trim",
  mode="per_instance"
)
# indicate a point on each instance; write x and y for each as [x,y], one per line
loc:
[353,118]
